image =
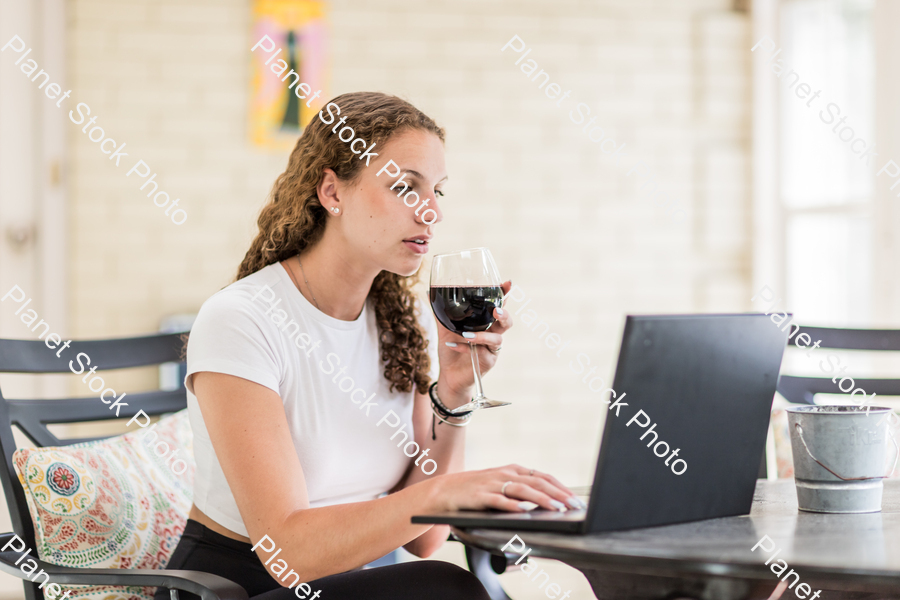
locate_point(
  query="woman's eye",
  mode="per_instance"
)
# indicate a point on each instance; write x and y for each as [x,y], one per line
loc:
[439,193]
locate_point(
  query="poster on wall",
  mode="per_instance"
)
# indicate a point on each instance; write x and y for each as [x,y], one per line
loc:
[281,104]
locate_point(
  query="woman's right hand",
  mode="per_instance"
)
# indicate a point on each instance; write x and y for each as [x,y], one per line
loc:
[479,490]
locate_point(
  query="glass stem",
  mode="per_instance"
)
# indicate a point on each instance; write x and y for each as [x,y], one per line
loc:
[476,367]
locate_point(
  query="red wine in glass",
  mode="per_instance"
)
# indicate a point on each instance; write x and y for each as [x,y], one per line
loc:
[462,309]
[464,291]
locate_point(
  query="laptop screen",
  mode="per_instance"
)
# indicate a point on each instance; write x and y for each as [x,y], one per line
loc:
[686,431]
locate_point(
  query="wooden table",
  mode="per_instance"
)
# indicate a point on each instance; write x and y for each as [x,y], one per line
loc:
[845,556]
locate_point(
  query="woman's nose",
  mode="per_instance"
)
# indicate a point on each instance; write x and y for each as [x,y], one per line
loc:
[429,211]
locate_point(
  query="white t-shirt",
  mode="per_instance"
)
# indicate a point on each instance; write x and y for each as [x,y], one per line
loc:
[262,329]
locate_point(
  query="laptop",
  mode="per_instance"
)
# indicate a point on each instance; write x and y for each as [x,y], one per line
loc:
[699,384]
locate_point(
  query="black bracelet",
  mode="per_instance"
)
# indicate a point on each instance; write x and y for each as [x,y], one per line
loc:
[442,410]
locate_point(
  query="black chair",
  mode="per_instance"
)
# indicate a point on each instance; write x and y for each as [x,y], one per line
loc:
[802,390]
[33,416]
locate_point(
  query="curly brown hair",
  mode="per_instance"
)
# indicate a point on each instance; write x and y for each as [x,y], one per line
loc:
[294,219]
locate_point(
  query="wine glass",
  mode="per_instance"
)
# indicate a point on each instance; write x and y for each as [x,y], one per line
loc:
[465,289]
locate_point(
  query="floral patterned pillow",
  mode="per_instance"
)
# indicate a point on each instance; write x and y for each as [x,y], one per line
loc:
[111,504]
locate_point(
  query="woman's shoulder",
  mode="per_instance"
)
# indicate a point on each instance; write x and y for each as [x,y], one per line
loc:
[257,290]
[233,335]
[243,304]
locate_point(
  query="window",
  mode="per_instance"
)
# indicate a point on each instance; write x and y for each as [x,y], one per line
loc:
[825,190]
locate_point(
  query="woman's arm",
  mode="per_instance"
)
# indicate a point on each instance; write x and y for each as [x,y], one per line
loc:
[249,432]
[448,450]
[455,389]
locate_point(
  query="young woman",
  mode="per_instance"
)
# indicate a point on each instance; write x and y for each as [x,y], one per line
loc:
[307,374]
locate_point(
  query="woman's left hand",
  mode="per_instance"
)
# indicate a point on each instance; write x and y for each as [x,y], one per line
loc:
[456,362]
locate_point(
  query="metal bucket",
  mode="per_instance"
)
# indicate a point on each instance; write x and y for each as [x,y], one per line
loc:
[839,457]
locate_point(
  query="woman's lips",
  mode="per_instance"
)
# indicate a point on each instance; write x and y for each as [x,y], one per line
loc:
[417,248]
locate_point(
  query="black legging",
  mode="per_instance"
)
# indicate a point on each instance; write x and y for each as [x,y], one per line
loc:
[202,549]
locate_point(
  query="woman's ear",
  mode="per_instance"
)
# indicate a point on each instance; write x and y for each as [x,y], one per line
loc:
[327,190]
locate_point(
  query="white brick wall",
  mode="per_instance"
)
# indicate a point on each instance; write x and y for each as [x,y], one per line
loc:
[669,79]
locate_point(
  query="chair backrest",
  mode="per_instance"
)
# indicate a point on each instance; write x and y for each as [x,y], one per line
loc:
[802,390]
[32,416]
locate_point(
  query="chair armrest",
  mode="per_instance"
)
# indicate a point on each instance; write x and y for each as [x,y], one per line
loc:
[205,585]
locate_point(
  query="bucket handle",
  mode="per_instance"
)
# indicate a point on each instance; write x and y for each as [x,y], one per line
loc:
[800,433]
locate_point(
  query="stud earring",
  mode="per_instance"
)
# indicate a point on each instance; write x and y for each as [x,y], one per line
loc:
[335,209]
